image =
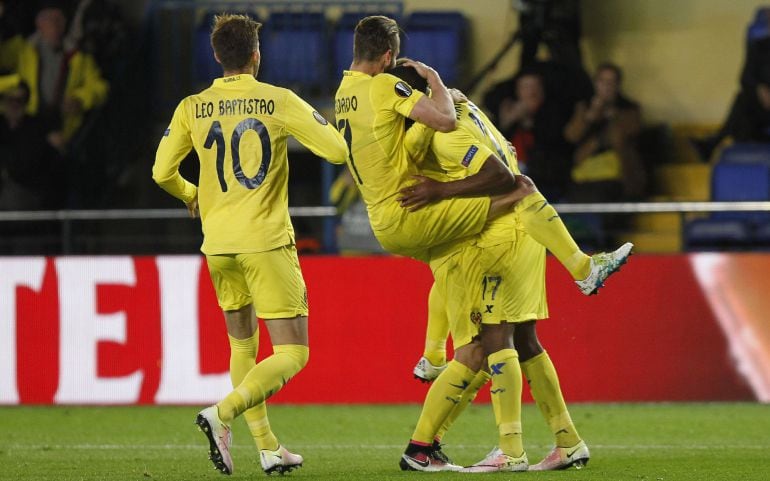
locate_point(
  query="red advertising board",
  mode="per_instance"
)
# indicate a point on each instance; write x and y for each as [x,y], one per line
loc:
[126,330]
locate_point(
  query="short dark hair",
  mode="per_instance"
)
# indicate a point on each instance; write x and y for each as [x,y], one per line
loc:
[612,67]
[373,37]
[234,39]
[410,76]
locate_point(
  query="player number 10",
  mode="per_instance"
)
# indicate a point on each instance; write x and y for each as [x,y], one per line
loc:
[216,135]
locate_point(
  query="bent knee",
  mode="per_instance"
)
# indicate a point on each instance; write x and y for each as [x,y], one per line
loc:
[298,354]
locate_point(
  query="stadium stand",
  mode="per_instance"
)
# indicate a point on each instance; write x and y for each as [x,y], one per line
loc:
[742,174]
[437,39]
[295,49]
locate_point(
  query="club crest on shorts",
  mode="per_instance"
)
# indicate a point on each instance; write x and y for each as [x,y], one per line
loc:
[320,118]
[403,89]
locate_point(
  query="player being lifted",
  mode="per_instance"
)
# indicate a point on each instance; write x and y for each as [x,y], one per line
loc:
[371,107]
[239,128]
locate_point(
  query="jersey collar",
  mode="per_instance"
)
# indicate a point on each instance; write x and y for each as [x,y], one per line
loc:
[234,80]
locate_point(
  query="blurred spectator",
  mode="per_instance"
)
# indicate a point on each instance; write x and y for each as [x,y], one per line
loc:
[533,123]
[555,23]
[64,84]
[99,29]
[30,165]
[749,116]
[11,41]
[605,130]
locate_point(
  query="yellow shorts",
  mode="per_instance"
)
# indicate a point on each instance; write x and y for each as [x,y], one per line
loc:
[414,233]
[271,281]
[506,282]
[449,301]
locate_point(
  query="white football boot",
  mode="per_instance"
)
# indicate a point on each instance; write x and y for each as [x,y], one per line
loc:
[219,436]
[427,372]
[279,461]
[603,265]
[497,461]
[562,458]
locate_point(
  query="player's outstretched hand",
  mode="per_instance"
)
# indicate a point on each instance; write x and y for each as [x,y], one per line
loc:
[426,191]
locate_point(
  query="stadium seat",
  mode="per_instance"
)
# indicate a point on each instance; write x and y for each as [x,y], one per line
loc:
[342,42]
[759,28]
[294,50]
[437,39]
[740,182]
[754,153]
[732,182]
[711,234]
[760,238]
[206,67]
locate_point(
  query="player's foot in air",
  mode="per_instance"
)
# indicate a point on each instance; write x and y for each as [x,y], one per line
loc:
[603,265]
[429,460]
[220,437]
[427,372]
[497,461]
[279,461]
[563,458]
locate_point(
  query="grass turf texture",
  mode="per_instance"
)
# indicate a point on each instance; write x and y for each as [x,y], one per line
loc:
[627,441]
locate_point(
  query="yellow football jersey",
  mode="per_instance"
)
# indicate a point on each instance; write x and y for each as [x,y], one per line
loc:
[239,129]
[370,113]
[462,152]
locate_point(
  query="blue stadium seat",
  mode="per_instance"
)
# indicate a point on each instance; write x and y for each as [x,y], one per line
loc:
[760,239]
[741,182]
[710,234]
[746,154]
[437,39]
[294,50]
[759,28]
[732,182]
[206,67]
[342,42]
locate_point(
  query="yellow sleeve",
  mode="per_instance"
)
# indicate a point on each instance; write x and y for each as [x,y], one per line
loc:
[174,147]
[93,88]
[391,93]
[313,131]
[460,150]
[417,140]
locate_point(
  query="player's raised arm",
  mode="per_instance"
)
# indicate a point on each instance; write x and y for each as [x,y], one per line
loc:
[436,111]
[173,148]
[314,131]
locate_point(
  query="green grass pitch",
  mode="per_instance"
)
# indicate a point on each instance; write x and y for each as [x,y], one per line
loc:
[640,442]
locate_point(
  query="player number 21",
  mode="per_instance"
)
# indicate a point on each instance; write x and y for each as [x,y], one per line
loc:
[216,136]
[342,126]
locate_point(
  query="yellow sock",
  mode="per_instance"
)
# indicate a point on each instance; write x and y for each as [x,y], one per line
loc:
[481,378]
[444,394]
[264,380]
[437,330]
[543,224]
[506,399]
[544,384]
[242,358]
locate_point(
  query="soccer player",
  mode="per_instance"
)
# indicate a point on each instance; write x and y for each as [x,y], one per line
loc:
[514,263]
[239,128]
[371,107]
